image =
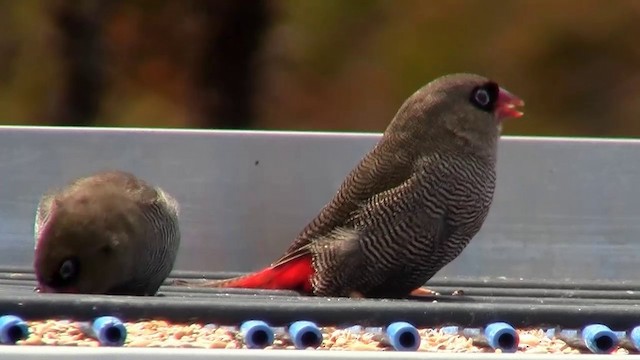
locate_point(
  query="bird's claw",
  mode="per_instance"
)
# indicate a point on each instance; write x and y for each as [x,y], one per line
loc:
[423,291]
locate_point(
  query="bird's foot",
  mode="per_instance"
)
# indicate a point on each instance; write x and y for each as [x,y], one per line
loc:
[356,295]
[458,292]
[423,291]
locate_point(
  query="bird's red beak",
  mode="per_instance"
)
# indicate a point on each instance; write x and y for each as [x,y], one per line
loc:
[506,105]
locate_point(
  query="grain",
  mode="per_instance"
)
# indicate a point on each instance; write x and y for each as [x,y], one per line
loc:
[163,334]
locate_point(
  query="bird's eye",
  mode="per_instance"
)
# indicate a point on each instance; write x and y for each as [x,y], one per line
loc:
[484,97]
[68,270]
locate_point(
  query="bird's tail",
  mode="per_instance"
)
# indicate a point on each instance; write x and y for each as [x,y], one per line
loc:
[291,275]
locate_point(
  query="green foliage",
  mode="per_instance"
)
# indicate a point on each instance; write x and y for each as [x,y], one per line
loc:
[348,65]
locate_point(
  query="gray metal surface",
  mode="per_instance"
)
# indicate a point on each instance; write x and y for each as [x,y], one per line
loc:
[564,208]
[40,352]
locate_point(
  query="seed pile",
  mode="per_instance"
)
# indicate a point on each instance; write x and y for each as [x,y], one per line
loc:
[158,333]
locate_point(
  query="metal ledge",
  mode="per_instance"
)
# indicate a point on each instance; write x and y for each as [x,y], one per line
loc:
[564,208]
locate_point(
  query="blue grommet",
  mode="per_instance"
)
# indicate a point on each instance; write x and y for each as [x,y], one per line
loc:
[503,336]
[403,336]
[256,334]
[12,329]
[599,338]
[109,331]
[634,337]
[450,330]
[305,334]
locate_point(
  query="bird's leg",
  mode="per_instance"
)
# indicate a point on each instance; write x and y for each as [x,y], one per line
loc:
[423,291]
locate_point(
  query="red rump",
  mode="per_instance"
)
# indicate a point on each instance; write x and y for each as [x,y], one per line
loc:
[292,275]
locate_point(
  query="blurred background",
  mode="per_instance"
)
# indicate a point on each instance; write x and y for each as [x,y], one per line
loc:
[329,65]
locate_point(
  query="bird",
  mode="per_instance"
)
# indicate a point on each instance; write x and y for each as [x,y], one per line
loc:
[409,207]
[107,233]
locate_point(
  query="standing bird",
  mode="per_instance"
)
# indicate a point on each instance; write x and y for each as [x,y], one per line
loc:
[109,233]
[410,206]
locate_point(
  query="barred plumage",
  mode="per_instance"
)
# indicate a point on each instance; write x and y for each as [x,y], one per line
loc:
[111,233]
[406,235]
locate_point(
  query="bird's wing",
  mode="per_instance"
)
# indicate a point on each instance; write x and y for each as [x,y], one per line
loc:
[411,207]
[407,220]
[147,196]
[42,215]
[381,169]
[395,201]
[168,202]
[336,235]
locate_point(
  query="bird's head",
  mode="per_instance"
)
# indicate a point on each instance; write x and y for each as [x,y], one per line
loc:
[459,110]
[86,244]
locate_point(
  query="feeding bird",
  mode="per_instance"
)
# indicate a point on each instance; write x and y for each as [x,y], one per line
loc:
[108,233]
